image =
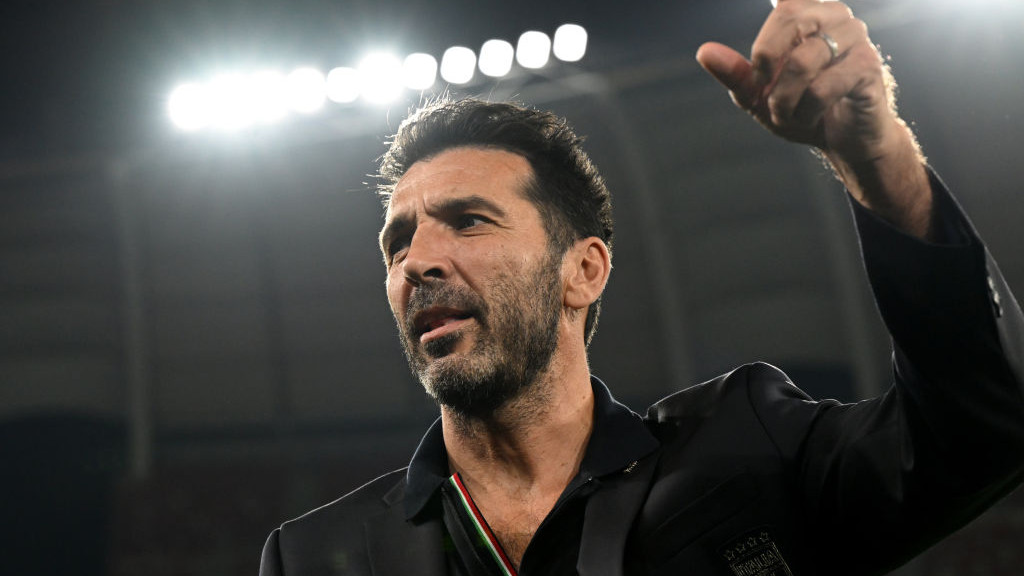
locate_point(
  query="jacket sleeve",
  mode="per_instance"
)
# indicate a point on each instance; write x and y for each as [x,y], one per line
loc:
[883,479]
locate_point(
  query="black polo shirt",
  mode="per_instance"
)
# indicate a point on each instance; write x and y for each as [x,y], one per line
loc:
[618,440]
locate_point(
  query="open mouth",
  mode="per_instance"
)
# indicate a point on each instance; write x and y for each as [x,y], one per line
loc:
[437,322]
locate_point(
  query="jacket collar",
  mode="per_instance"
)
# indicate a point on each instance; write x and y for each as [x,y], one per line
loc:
[619,439]
[397,547]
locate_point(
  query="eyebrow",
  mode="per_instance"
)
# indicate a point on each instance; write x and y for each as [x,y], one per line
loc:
[464,204]
[445,208]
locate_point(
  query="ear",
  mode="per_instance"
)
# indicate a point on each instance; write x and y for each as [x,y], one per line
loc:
[587,266]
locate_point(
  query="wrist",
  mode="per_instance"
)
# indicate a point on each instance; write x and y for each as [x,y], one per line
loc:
[890,179]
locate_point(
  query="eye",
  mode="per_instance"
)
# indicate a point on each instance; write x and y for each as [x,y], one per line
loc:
[397,248]
[465,221]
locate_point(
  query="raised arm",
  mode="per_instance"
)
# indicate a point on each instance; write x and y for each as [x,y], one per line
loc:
[814,77]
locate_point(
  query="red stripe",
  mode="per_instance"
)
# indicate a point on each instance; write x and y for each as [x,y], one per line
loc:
[483,523]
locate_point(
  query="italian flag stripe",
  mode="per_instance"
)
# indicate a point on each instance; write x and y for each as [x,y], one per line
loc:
[481,526]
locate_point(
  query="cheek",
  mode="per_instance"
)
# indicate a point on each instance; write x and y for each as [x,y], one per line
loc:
[394,294]
[500,260]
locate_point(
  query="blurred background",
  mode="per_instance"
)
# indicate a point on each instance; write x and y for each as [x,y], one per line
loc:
[195,343]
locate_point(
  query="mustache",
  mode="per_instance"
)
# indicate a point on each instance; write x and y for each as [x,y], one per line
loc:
[431,295]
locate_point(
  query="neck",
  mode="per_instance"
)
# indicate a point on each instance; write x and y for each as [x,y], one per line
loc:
[532,443]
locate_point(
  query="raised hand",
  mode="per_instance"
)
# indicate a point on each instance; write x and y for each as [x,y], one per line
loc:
[815,77]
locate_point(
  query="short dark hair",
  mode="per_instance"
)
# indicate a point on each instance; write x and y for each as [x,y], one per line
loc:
[566,188]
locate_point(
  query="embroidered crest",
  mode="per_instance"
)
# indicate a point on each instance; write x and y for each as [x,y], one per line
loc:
[755,554]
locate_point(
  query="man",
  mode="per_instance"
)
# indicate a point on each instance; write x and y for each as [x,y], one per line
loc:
[497,243]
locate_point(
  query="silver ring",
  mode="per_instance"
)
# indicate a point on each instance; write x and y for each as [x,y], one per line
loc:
[833,46]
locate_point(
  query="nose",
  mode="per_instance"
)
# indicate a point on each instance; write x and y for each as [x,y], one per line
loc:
[427,257]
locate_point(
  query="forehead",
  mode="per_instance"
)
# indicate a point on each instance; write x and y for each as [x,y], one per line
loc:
[498,175]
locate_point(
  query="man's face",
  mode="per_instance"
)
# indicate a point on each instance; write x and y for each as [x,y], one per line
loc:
[474,288]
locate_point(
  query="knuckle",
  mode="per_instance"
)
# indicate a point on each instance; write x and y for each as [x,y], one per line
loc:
[866,56]
[807,28]
[787,9]
[842,9]
[800,63]
[816,94]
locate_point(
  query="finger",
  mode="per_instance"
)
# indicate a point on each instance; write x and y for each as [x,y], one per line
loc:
[787,27]
[806,62]
[859,79]
[731,69]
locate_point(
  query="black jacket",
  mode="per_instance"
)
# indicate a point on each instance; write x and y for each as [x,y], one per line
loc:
[745,474]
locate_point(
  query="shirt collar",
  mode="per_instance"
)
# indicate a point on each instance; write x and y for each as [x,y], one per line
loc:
[619,439]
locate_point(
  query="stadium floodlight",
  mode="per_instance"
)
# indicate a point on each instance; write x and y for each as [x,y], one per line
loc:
[458,65]
[235,100]
[380,77]
[570,43]
[188,107]
[533,49]
[343,85]
[419,71]
[227,97]
[305,90]
[496,58]
[264,97]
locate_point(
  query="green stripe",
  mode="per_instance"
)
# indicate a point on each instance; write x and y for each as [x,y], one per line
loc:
[479,528]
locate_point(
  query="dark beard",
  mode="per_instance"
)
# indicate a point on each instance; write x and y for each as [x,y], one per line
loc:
[515,340]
